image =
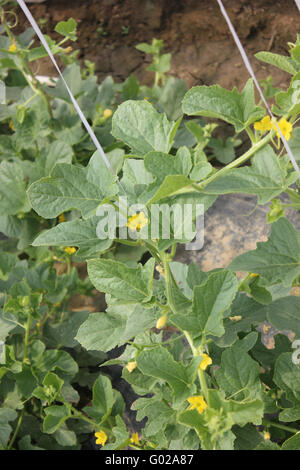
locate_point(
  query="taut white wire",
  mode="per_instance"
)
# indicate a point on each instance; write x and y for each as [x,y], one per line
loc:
[76,105]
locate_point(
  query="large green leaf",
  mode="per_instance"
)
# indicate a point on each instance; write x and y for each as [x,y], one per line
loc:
[103,399]
[159,363]
[122,282]
[210,301]
[6,415]
[238,374]
[67,188]
[287,377]
[80,233]
[142,128]
[55,417]
[277,259]
[13,197]
[284,314]
[56,152]
[104,331]
[236,108]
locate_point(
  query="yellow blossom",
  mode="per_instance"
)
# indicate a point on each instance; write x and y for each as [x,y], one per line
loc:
[62,218]
[38,324]
[107,113]
[236,318]
[11,126]
[160,270]
[70,250]
[131,366]
[263,125]
[267,436]
[12,47]
[206,361]
[252,275]
[137,221]
[285,127]
[101,437]
[161,322]
[68,49]
[197,403]
[135,438]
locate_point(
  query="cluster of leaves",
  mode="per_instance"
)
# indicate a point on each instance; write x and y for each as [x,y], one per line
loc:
[160,149]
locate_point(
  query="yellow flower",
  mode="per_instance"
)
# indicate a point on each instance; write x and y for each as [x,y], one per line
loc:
[206,361]
[236,318]
[68,49]
[197,403]
[11,126]
[101,437]
[252,275]
[161,322]
[131,366]
[135,438]
[12,47]
[107,113]
[137,221]
[263,125]
[70,250]
[62,218]
[285,127]
[267,436]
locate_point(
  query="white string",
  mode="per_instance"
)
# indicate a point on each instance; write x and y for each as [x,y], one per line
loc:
[298,4]
[251,71]
[76,105]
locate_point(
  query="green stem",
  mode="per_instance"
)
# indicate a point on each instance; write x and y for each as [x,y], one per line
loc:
[196,352]
[268,423]
[16,430]
[27,331]
[243,158]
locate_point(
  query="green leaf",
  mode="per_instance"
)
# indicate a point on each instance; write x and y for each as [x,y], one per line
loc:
[121,436]
[171,97]
[170,185]
[159,414]
[6,415]
[67,188]
[7,262]
[65,437]
[238,374]
[79,233]
[67,29]
[236,108]
[287,378]
[159,363]
[13,197]
[265,178]
[124,283]
[282,62]
[55,417]
[142,128]
[55,152]
[293,443]
[284,314]
[103,399]
[277,259]
[104,331]
[209,303]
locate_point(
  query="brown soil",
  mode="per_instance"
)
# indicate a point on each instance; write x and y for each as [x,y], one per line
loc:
[193,30]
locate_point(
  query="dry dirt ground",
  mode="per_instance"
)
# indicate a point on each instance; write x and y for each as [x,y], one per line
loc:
[193,30]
